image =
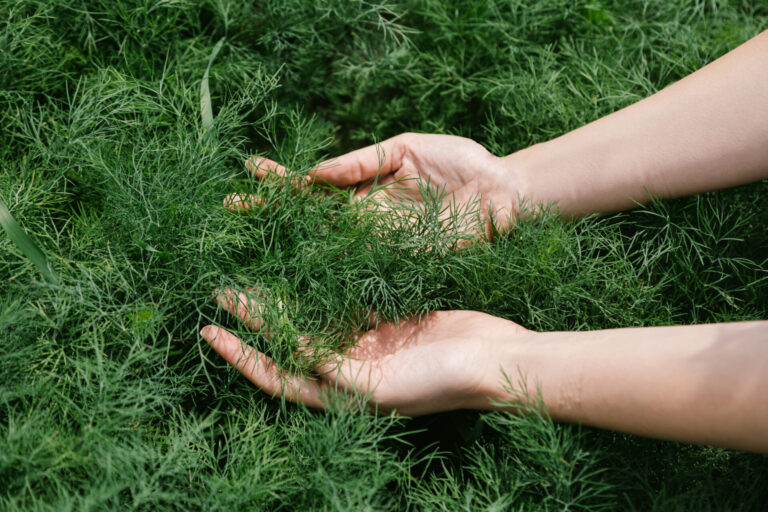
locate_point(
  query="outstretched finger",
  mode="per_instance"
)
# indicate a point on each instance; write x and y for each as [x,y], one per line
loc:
[262,370]
[248,306]
[240,203]
[388,189]
[361,164]
[263,167]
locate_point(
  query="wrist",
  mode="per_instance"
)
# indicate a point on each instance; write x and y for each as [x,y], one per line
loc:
[520,369]
[506,358]
[524,169]
[507,192]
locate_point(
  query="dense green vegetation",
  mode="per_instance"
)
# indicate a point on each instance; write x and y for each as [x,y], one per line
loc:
[108,397]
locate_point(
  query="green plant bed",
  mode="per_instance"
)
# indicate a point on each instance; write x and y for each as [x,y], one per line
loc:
[109,398]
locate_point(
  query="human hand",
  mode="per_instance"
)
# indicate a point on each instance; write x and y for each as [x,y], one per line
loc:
[465,175]
[438,363]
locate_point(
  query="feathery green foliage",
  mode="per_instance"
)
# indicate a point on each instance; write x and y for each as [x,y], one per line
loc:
[108,397]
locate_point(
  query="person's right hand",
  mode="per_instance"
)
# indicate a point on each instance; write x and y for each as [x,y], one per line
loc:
[464,173]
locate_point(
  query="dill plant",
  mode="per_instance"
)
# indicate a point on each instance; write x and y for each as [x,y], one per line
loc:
[108,397]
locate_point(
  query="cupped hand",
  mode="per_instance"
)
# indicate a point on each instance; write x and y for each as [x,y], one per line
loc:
[417,366]
[462,173]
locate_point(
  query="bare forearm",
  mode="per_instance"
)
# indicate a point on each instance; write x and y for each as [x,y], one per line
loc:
[703,384]
[705,132]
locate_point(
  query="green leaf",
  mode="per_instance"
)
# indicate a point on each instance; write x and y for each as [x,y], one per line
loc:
[25,244]
[206,110]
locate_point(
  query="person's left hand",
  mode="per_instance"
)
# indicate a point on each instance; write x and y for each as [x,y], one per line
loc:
[437,363]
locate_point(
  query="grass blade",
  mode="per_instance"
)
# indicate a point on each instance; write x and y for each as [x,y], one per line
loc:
[25,244]
[206,110]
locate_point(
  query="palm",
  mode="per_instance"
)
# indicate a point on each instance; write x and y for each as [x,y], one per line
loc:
[420,366]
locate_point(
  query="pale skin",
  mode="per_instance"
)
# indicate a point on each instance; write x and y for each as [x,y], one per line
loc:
[700,384]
